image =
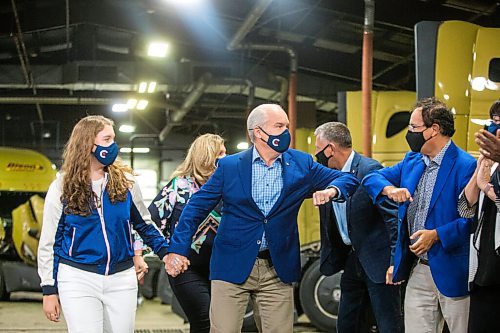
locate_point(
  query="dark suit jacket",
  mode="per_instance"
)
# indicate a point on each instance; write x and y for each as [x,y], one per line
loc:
[240,231]
[372,229]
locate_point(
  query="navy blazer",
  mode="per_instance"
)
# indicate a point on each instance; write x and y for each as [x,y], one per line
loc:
[448,257]
[238,238]
[372,229]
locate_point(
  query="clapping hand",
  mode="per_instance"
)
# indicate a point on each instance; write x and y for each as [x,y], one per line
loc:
[175,264]
[489,145]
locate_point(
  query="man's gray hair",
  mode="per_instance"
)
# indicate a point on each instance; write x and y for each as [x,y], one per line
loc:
[335,132]
[256,118]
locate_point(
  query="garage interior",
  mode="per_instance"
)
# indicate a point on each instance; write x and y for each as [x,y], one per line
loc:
[214,60]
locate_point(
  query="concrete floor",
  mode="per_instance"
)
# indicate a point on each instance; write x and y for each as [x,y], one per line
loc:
[24,314]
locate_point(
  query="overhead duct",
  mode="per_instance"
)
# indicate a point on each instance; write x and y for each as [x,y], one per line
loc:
[251,89]
[235,44]
[177,116]
[283,87]
[57,100]
[248,24]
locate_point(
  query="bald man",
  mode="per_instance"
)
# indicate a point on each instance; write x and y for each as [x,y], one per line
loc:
[256,251]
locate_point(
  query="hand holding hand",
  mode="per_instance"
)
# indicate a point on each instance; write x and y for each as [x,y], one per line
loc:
[175,264]
[324,196]
[397,194]
[426,238]
[141,268]
[51,307]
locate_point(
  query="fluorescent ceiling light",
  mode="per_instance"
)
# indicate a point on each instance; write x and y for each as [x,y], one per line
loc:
[158,49]
[142,87]
[142,104]
[127,128]
[120,108]
[139,150]
[481,122]
[131,103]
[242,145]
[151,87]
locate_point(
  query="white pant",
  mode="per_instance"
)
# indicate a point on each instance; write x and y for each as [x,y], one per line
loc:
[94,303]
[426,307]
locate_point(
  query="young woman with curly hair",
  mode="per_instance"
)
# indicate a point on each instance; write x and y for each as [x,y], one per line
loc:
[86,249]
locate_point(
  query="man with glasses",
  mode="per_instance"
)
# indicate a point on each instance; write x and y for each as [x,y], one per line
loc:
[432,250]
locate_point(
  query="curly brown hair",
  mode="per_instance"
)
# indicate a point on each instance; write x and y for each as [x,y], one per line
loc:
[77,193]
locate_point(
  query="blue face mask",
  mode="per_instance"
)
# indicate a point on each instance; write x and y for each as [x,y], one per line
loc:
[279,143]
[106,155]
[493,128]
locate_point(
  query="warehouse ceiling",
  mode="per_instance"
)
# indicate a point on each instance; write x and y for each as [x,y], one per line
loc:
[61,60]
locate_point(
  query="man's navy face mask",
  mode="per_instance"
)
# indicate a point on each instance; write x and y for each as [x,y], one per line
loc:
[279,143]
[106,155]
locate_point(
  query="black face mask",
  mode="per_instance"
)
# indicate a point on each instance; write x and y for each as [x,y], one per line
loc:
[322,158]
[416,140]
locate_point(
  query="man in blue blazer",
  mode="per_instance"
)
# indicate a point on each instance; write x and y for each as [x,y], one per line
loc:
[256,251]
[427,184]
[357,236]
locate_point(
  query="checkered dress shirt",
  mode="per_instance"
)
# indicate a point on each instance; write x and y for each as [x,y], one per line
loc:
[267,183]
[418,209]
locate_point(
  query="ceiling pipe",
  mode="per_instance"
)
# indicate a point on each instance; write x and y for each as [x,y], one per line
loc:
[366,77]
[177,116]
[283,87]
[23,57]
[57,100]
[292,91]
[251,89]
[236,44]
[248,24]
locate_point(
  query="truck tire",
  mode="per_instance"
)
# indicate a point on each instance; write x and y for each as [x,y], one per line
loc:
[320,297]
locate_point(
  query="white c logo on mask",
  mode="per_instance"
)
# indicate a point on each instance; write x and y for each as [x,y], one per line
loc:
[103,153]
[276,142]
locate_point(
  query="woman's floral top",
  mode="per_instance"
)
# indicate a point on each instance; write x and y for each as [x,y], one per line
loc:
[166,210]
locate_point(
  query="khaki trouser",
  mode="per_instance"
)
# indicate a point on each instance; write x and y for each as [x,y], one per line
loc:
[272,301]
[426,307]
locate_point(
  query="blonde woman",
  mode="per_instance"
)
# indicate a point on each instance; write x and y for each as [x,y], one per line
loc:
[192,288]
[86,249]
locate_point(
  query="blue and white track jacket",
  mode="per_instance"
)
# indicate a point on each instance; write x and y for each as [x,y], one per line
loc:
[101,242]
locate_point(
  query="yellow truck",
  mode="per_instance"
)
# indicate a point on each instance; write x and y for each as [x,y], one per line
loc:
[457,62]
[25,176]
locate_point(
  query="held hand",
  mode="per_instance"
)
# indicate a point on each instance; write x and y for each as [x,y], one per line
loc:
[324,196]
[397,194]
[51,307]
[426,238]
[175,264]
[141,268]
